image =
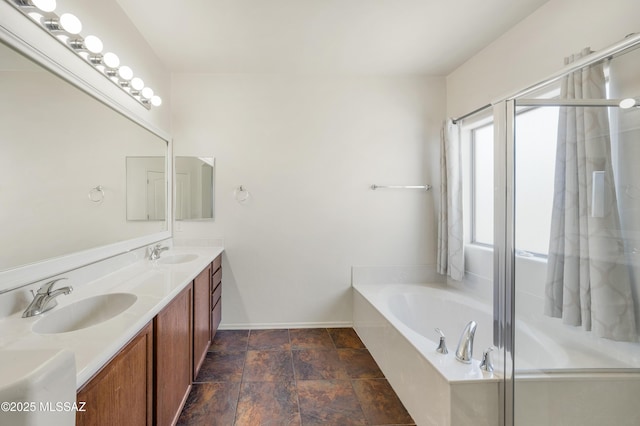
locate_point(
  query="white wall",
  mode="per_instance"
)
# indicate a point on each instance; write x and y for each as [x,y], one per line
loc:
[536,47]
[308,148]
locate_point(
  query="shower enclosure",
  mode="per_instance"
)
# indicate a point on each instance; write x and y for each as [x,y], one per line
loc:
[567,243]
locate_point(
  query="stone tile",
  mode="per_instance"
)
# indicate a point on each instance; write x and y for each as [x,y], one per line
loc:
[222,367]
[268,366]
[380,404]
[230,340]
[329,402]
[268,403]
[310,338]
[211,404]
[264,340]
[345,338]
[318,364]
[359,364]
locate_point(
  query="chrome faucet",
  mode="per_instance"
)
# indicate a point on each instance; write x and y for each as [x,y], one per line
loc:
[45,299]
[154,252]
[464,353]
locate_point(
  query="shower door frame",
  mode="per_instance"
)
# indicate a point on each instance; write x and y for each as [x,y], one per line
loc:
[503,248]
[504,115]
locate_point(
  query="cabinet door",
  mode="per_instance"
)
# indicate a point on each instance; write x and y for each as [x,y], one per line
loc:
[216,294]
[201,323]
[121,393]
[173,360]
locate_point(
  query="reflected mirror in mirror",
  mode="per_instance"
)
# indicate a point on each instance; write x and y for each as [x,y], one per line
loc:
[194,188]
[59,145]
[146,188]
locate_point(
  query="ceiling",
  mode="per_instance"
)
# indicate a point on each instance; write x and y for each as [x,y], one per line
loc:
[430,37]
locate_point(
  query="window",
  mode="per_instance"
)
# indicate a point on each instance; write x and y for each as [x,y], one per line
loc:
[482,185]
[535,153]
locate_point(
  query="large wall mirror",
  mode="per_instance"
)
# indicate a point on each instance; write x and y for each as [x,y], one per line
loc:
[194,188]
[62,168]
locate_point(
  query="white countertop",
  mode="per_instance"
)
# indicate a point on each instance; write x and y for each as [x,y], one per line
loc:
[154,284]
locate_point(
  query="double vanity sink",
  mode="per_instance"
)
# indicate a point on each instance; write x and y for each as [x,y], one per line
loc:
[92,323]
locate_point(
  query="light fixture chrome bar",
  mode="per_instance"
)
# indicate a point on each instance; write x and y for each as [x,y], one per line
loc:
[66,28]
[423,187]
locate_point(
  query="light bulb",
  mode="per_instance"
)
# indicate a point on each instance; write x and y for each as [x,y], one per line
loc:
[111,60]
[137,83]
[70,23]
[45,5]
[147,92]
[125,73]
[156,100]
[627,103]
[93,44]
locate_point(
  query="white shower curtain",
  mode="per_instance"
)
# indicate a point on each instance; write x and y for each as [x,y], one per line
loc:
[450,231]
[588,281]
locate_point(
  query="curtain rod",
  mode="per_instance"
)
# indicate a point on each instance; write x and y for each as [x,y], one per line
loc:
[628,42]
[469,114]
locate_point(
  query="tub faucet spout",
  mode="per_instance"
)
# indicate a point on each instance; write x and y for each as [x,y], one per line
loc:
[464,353]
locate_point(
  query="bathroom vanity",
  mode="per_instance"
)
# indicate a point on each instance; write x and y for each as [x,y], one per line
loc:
[148,380]
[139,333]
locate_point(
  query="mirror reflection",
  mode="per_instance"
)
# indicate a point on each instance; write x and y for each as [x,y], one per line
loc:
[194,188]
[146,188]
[58,145]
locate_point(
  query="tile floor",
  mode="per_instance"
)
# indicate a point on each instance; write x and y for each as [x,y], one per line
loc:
[291,377]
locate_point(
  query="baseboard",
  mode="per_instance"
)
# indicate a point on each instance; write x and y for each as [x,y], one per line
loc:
[281,325]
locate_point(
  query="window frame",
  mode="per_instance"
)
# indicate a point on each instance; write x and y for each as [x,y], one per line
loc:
[471,128]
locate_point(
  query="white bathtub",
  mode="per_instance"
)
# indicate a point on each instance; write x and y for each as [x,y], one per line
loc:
[397,322]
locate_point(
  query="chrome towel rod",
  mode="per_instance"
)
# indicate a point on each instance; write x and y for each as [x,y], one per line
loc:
[424,187]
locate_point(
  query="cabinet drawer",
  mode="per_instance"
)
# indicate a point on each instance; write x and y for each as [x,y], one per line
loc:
[216,295]
[216,317]
[216,278]
[217,262]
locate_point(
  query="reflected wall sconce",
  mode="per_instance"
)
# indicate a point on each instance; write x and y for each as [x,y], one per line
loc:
[66,28]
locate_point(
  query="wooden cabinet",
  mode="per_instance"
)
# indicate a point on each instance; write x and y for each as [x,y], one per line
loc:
[201,318]
[173,357]
[121,393]
[216,294]
[149,380]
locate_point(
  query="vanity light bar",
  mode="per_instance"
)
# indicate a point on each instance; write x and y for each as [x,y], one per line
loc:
[66,29]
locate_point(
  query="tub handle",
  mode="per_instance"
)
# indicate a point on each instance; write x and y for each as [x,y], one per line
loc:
[486,364]
[442,347]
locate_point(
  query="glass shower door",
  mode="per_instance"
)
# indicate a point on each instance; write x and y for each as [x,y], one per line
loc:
[573,241]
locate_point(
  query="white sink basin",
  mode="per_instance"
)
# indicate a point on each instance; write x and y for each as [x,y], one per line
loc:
[84,313]
[172,259]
